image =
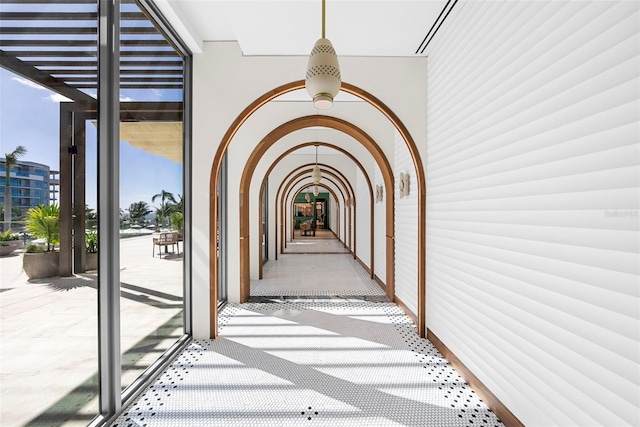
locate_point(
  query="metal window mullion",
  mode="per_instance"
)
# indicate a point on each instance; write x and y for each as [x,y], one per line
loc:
[108,206]
[187,197]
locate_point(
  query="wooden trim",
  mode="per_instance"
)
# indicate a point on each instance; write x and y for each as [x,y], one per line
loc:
[260,231]
[367,269]
[306,144]
[343,180]
[406,310]
[284,196]
[490,399]
[274,136]
[388,182]
[379,282]
[421,185]
[213,194]
[286,186]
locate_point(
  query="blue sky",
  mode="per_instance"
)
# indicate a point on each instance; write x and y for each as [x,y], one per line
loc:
[29,116]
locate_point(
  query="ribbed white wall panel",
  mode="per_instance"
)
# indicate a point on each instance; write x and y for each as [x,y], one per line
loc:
[532,205]
[363,219]
[406,228]
[379,230]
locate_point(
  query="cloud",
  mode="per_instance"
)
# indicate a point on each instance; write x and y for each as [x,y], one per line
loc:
[28,83]
[56,97]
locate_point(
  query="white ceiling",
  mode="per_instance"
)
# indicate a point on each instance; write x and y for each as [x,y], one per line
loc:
[291,27]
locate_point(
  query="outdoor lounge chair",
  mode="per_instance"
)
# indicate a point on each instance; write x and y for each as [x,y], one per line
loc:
[164,240]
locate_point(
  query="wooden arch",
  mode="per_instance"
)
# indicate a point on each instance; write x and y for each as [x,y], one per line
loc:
[291,184]
[274,136]
[346,153]
[285,182]
[420,183]
[346,184]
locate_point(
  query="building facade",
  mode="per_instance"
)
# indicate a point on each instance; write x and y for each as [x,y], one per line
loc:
[32,184]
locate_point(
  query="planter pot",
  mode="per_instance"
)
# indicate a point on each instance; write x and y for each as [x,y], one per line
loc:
[92,261]
[7,250]
[18,244]
[40,266]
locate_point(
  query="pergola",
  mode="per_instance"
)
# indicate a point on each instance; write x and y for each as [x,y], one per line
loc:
[55,44]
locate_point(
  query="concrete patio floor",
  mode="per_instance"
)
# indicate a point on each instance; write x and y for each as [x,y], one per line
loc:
[48,333]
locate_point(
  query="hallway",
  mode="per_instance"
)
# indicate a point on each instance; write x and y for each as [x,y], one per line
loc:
[314,266]
[319,344]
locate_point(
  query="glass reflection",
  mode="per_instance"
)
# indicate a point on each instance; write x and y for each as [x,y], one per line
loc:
[151,196]
[48,331]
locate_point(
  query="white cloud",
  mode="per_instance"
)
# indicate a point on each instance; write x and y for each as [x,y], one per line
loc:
[28,83]
[56,97]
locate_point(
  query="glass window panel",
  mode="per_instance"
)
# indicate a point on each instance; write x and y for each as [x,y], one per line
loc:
[151,197]
[49,351]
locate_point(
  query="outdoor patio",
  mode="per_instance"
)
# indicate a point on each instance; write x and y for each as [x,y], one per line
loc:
[48,333]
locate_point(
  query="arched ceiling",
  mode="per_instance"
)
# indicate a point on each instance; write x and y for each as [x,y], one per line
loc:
[297,103]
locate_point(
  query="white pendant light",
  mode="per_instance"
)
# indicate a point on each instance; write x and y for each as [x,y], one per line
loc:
[323,71]
[316,175]
[316,191]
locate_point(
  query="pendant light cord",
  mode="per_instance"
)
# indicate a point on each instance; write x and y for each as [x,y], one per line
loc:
[323,19]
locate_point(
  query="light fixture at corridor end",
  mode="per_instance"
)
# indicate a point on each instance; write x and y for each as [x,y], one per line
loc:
[316,174]
[322,79]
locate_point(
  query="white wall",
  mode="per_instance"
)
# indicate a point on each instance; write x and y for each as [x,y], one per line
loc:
[532,205]
[406,228]
[277,175]
[225,82]
[297,188]
[337,161]
[363,219]
[379,230]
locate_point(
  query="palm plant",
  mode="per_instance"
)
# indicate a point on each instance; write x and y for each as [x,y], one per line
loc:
[91,217]
[90,213]
[43,222]
[11,159]
[8,236]
[138,210]
[179,206]
[167,200]
[177,220]
[91,241]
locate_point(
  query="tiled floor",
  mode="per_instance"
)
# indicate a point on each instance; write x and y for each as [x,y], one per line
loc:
[323,242]
[317,274]
[311,361]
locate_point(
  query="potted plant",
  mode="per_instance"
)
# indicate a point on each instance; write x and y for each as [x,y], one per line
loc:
[91,246]
[9,242]
[177,221]
[42,222]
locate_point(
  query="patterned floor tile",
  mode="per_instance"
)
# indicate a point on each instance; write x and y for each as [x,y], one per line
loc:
[310,364]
